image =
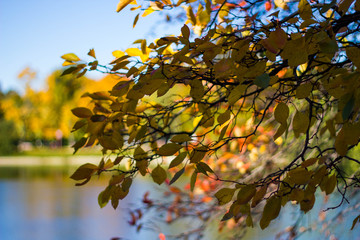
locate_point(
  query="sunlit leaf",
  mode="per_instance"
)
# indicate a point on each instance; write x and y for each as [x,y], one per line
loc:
[225,195]
[122,4]
[71,57]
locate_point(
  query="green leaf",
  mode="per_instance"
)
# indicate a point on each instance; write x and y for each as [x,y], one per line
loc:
[168,149]
[69,71]
[303,91]
[104,197]
[300,123]
[181,138]
[142,166]
[84,171]
[198,154]
[159,175]
[246,193]
[177,175]
[309,162]
[330,184]
[281,113]
[271,211]
[204,168]
[185,31]
[347,110]
[71,57]
[140,154]
[300,176]
[178,160]
[292,52]
[353,54]
[235,94]
[193,180]
[356,220]
[224,117]
[82,112]
[305,10]
[126,184]
[262,81]
[259,195]
[225,195]
[79,144]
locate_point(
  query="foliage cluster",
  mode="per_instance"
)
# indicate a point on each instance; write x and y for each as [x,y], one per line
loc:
[263,105]
[40,114]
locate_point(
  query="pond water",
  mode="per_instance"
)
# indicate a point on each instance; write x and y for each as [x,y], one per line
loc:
[52,208]
[44,204]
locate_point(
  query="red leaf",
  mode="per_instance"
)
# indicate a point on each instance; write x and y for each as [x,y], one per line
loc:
[162,236]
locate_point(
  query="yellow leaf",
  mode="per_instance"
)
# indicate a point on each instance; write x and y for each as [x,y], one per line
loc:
[281,4]
[148,11]
[225,195]
[169,149]
[167,2]
[71,57]
[122,4]
[190,15]
[133,52]
[118,53]
[67,63]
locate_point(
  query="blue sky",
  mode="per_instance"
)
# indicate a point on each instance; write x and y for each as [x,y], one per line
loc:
[35,33]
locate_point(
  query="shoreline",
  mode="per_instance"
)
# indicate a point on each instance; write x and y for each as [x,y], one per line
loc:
[35,161]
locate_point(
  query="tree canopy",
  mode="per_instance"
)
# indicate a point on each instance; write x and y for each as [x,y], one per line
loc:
[258,98]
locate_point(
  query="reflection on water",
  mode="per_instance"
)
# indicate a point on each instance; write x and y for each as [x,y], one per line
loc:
[52,208]
[44,204]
